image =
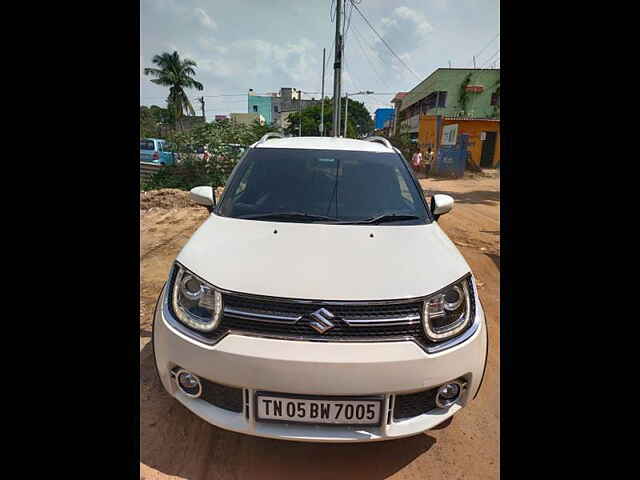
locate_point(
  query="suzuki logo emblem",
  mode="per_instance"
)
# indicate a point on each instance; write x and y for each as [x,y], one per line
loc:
[322,320]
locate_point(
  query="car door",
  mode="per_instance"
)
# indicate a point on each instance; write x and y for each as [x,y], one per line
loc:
[170,151]
[166,156]
[147,149]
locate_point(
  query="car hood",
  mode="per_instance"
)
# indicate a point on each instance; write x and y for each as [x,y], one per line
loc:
[323,262]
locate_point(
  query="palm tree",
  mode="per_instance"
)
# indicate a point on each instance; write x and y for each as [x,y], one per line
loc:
[177,74]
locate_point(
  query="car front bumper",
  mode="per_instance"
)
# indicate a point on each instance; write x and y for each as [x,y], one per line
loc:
[317,368]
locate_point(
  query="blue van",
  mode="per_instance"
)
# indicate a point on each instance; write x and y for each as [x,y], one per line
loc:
[155,150]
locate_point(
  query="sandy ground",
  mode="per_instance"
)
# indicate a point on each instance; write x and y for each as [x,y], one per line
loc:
[174,443]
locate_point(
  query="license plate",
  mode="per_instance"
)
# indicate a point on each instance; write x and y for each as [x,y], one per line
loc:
[319,410]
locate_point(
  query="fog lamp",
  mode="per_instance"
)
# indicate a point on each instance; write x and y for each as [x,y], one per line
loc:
[189,384]
[448,394]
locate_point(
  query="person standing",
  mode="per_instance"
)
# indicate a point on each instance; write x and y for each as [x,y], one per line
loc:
[428,160]
[416,160]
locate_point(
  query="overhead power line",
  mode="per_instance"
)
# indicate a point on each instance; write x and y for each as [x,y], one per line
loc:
[490,58]
[366,55]
[490,42]
[384,41]
[348,22]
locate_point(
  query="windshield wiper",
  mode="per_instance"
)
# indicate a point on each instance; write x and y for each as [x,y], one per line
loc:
[387,217]
[287,216]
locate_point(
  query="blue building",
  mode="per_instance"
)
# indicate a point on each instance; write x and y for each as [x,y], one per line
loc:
[260,105]
[382,115]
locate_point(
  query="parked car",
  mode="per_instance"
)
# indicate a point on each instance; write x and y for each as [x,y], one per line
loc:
[321,301]
[156,150]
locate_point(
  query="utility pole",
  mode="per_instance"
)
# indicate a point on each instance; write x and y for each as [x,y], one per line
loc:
[346,112]
[449,63]
[299,113]
[474,61]
[202,104]
[322,99]
[346,108]
[337,72]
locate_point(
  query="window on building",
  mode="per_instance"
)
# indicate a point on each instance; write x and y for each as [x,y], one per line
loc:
[255,108]
[442,100]
[275,108]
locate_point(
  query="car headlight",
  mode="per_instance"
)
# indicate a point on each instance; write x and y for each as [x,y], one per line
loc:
[195,303]
[448,312]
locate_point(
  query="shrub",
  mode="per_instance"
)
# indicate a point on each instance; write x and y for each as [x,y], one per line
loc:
[189,173]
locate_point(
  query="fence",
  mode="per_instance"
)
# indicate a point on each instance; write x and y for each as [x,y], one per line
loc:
[147,169]
[451,160]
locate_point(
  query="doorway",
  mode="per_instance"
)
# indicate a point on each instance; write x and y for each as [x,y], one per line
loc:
[488,149]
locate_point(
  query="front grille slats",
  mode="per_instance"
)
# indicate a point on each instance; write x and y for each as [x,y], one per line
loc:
[352,322]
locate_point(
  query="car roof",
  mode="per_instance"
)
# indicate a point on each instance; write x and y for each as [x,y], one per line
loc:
[324,143]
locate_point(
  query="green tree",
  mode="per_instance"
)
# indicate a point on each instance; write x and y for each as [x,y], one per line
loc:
[402,141]
[177,74]
[219,138]
[151,117]
[359,120]
[147,122]
[257,131]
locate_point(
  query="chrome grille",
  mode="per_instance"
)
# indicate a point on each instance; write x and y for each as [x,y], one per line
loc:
[352,321]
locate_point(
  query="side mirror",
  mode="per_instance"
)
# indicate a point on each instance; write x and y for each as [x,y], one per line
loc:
[441,204]
[203,196]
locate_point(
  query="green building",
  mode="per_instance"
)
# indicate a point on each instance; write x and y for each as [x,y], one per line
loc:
[452,92]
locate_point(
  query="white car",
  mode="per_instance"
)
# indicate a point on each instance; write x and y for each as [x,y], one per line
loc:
[321,301]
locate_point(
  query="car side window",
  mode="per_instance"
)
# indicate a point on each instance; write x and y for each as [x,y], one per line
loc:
[243,183]
[404,188]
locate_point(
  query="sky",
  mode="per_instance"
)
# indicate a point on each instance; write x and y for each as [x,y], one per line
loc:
[270,44]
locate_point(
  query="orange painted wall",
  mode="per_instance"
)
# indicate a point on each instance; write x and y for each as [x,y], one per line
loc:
[473,128]
[427,132]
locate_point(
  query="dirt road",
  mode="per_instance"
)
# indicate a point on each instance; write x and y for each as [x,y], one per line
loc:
[174,443]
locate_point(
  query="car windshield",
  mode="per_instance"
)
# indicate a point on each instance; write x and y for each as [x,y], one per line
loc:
[327,186]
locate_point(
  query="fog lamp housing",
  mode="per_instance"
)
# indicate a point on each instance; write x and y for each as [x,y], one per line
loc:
[449,393]
[189,383]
